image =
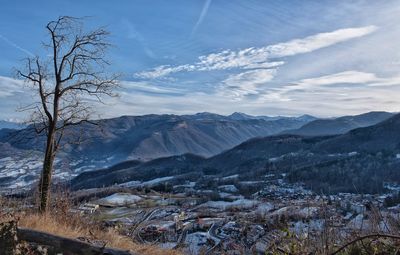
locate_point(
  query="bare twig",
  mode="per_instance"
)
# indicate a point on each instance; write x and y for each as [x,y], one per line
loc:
[363,238]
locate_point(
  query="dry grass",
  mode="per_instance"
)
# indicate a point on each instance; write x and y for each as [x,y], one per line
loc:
[61,223]
[74,228]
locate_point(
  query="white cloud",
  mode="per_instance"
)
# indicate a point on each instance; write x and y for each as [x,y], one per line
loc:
[150,89]
[342,93]
[343,78]
[347,77]
[323,96]
[13,95]
[316,42]
[10,86]
[260,57]
[164,70]
[238,85]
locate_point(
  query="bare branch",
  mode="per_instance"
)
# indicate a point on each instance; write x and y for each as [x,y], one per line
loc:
[62,84]
[363,238]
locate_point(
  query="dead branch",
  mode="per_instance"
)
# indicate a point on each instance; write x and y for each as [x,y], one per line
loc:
[361,238]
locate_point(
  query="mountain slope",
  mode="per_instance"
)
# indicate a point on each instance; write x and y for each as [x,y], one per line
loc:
[153,136]
[247,157]
[340,125]
[128,138]
[328,163]
[384,136]
[157,168]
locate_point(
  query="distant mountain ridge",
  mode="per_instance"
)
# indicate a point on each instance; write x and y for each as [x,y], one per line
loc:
[244,116]
[153,136]
[384,136]
[340,125]
[11,125]
[149,137]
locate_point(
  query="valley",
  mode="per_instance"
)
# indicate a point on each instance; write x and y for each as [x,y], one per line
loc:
[246,199]
[199,127]
[235,215]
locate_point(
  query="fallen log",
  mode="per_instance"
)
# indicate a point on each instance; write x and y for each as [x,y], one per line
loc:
[67,245]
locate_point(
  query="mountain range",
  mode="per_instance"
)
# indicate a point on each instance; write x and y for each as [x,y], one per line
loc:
[153,136]
[139,148]
[128,138]
[356,155]
[339,125]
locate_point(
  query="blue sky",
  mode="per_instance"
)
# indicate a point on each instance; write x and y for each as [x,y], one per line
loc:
[325,58]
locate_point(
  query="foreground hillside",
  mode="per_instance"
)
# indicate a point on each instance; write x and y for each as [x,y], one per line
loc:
[283,194]
[282,220]
[63,223]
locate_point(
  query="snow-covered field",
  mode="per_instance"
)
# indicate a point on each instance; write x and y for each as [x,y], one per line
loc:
[22,169]
[196,240]
[224,205]
[19,171]
[149,184]
[119,199]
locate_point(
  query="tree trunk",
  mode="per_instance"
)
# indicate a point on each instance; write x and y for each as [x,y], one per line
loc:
[45,178]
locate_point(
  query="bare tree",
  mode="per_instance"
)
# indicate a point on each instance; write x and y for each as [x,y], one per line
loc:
[65,82]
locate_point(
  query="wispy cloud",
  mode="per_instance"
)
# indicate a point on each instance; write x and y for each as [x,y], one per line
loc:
[348,92]
[315,42]
[10,87]
[251,58]
[246,83]
[333,85]
[16,46]
[150,89]
[201,17]
[133,33]
[12,96]
[342,78]
[347,77]
[342,93]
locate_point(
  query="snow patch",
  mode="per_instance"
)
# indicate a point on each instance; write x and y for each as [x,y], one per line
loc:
[119,199]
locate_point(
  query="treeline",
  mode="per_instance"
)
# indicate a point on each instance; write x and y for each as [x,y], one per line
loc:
[364,173]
